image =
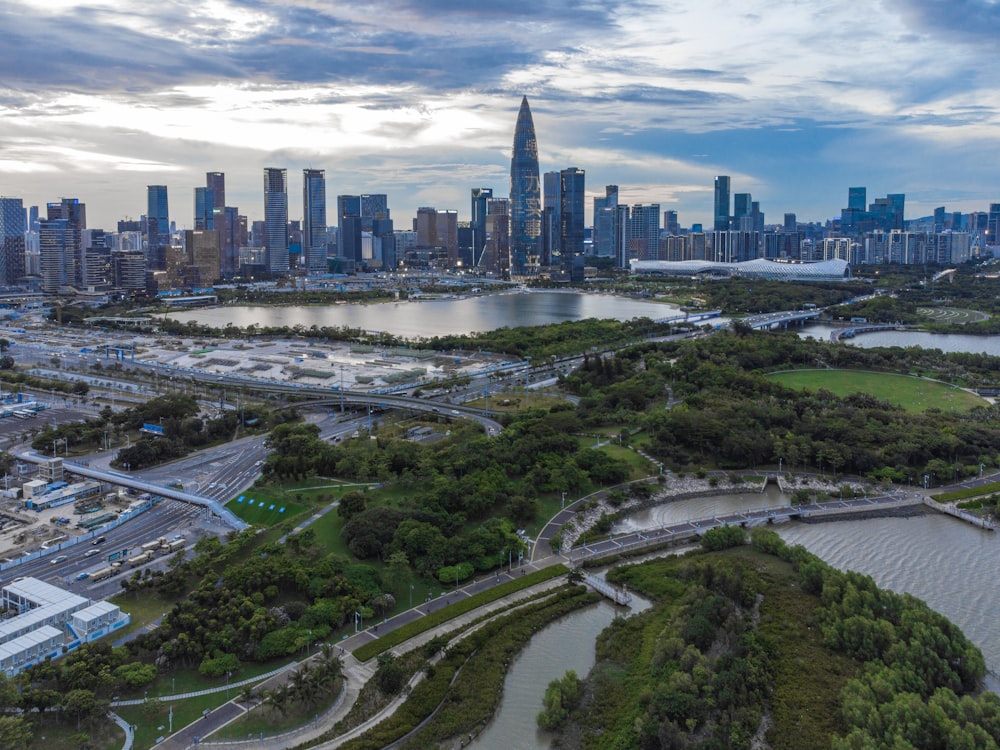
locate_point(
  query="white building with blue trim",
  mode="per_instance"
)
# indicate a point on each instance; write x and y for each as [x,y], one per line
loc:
[49,622]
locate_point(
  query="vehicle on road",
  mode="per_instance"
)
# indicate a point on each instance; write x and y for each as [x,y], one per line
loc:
[91,552]
[98,540]
[59,559]
[83,575]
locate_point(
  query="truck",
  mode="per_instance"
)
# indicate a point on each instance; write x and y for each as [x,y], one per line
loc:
[103,573]
[176,545]
[154,545]
[142,559]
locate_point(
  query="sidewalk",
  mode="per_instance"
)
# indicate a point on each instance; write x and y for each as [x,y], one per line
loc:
[356,675]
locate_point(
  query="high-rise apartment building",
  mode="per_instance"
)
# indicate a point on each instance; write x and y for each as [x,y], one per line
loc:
[13,226]
[722,215]
[525,195]
[157,227]
[276,219]
[57,254]
[314,220]
[74,214]
[644,231]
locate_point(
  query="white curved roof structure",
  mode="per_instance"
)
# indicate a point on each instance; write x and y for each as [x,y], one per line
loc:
[759,268]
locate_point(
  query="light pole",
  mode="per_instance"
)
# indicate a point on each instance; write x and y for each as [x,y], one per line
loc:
[411,596]
[358,619]
[563,504]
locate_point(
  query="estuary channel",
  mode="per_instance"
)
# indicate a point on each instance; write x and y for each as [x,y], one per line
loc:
[946,562]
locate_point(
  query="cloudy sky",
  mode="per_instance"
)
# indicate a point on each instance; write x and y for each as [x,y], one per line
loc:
[795,99]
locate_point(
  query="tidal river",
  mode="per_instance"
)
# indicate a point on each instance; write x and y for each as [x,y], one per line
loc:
[949,564]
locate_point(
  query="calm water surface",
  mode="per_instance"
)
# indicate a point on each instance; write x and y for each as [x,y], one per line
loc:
[439,317]
[946,342]
[949,564]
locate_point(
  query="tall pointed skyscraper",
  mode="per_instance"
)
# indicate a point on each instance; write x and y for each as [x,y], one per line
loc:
[525,196]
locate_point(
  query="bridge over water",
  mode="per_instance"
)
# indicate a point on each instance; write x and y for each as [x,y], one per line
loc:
[782,320]
[618,596]
[689,530]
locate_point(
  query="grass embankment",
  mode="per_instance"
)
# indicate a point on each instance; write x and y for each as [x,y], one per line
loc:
[468,683]
[433,619]
[911,393]
[965,494]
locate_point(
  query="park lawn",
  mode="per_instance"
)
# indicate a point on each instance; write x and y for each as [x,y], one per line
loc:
[328,530]
[511,401]
[264,512]
[149,717]
[911,393]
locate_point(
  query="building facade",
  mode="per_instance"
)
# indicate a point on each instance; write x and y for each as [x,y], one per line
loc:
[525,195]
[314,220]
[276,219]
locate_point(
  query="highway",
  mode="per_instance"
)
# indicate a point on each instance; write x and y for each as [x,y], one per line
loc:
[166,518]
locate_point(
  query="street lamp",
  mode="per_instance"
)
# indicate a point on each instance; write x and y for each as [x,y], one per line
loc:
[411,596]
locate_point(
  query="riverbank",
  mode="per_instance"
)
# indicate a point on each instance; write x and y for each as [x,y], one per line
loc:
[679,488]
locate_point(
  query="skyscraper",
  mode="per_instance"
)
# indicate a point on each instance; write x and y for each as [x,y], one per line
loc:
[857,198]
[741,210]
[525,195]
[74,214]
[204,205]
[721,203]
[314,219]
[374,207]
[571,206]
[480,206]
[276,219]
[549,245]
[216,182]
[606,234]
[157,227]
[644,231]
[12,229]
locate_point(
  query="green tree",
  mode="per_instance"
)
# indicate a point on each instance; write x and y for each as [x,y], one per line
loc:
[15,733]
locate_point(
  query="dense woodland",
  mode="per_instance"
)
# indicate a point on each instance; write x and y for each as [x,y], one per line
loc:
[464,496]
[733,416]
[721,658]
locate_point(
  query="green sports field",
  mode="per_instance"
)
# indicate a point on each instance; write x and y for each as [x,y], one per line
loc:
[913,394]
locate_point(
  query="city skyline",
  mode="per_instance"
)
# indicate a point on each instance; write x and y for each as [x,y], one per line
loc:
[416,100]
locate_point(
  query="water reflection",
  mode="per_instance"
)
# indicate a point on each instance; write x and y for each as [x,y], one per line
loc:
[439,317]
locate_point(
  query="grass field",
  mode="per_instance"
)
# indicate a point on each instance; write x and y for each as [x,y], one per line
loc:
[264,512]
[913,394]
[953,315]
